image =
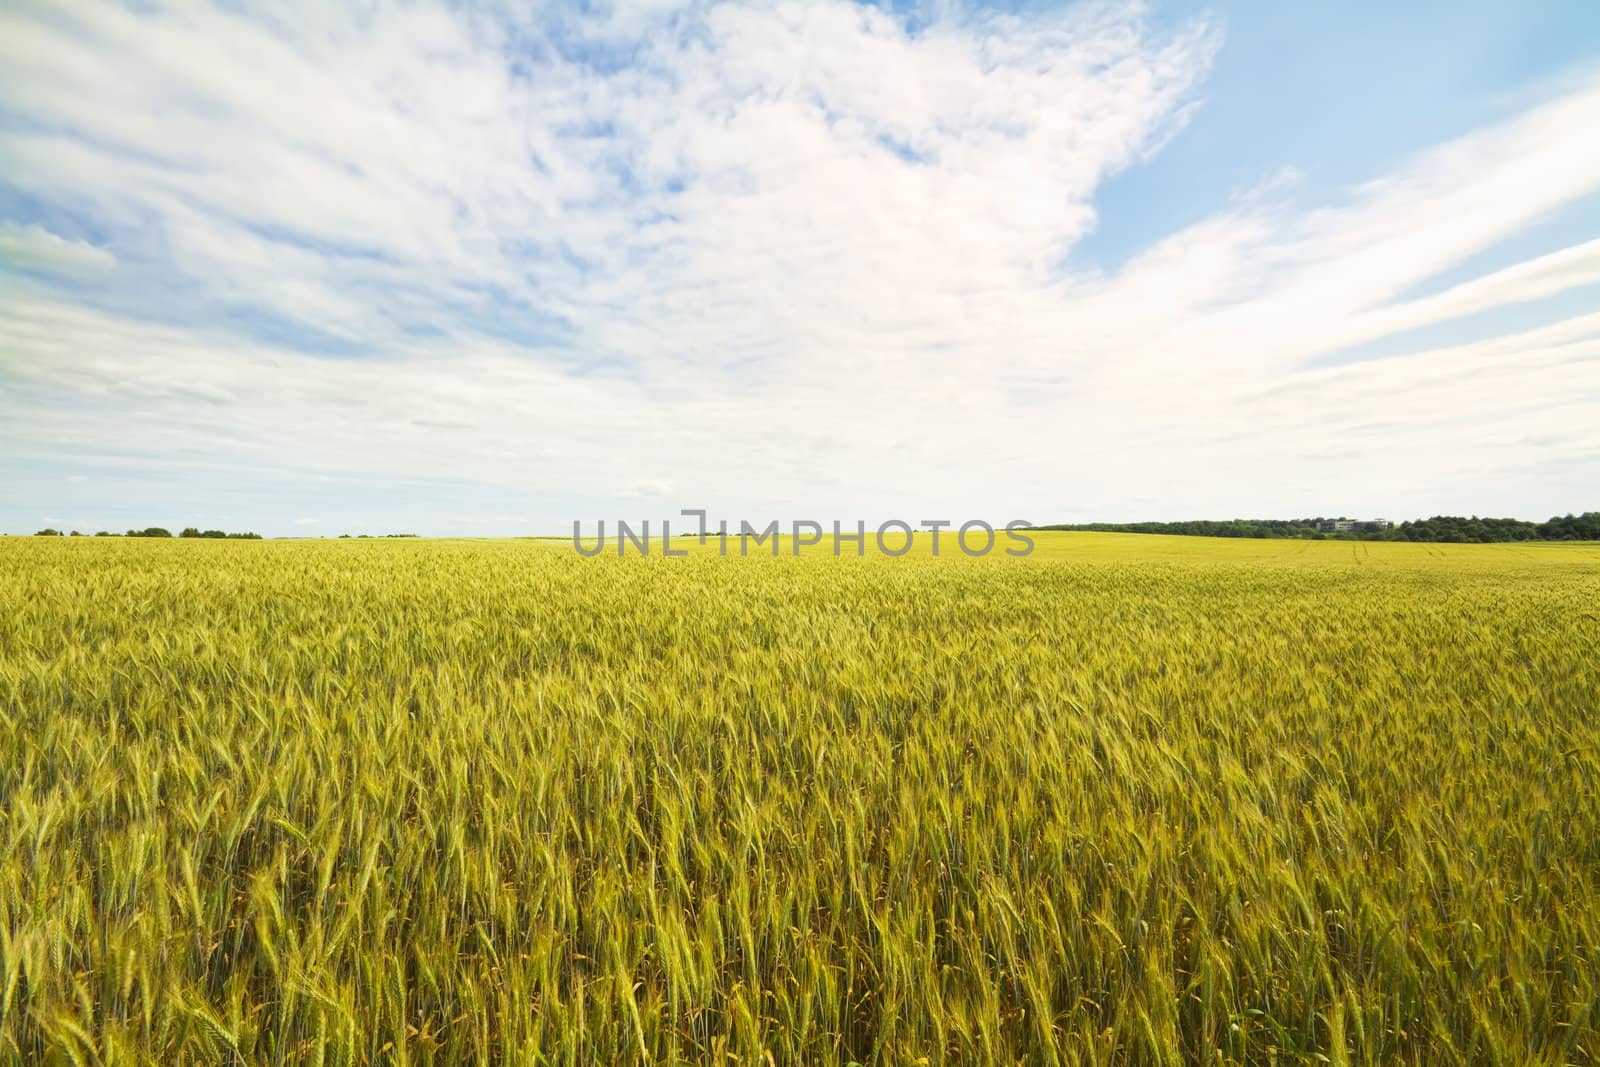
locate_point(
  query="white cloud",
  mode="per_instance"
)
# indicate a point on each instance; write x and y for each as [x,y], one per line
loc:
[36,247]
[796,256]
[1535,279]
[651,487]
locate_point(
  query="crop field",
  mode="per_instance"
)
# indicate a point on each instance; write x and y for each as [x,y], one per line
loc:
[1129,800]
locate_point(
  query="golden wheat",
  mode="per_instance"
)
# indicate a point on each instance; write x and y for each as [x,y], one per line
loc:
[1130,800]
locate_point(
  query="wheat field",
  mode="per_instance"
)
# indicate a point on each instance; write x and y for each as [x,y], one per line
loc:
[1130,800]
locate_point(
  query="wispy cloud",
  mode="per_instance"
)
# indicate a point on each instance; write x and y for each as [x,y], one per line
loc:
[760,255]
[34,247]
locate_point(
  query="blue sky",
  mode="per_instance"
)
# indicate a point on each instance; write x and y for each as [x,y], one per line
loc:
[473,270]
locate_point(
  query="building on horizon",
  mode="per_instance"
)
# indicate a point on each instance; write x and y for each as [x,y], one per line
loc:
[1353,525]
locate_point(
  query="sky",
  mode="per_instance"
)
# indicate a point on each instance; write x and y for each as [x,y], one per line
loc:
[487,269]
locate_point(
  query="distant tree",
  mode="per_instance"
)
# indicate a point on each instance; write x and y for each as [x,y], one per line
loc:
[1446,528]
[106,533]
[189,531]
[75,533]
[150,531]
[1585,527]
[48,531]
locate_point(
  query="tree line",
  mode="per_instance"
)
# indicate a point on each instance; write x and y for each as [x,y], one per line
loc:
[1440,528]
[156,531]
